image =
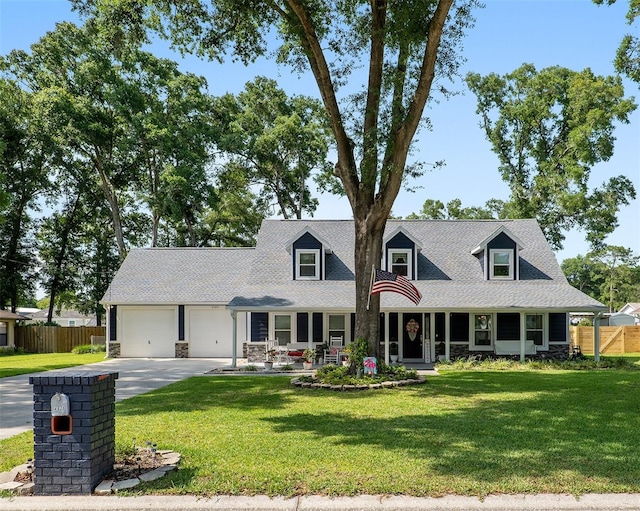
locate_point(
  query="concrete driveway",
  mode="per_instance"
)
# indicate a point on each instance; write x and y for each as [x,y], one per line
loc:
[136,376]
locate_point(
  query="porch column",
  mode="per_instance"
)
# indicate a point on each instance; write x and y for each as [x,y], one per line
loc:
[11,333]
[523,334]
[386,338]
[447,336]
[310,330]
[596,335]
[234,337]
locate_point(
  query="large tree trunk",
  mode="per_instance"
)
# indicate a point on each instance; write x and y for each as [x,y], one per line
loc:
[368,250]
[372,207]
[112,199]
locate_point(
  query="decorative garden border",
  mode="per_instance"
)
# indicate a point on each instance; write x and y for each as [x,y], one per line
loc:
[382,385]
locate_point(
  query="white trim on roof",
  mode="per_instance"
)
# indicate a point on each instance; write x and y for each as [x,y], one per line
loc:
[308,230]
[502,229]
[403,230]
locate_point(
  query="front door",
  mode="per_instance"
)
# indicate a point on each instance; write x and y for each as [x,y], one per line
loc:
[412,335]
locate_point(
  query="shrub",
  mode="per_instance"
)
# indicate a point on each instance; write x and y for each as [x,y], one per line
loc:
[510,364]
[358,350]
[339,375]
[88,348]
[7,352]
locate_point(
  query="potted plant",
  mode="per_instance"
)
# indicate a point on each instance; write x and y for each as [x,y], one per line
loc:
[393,352]
[308,356]
[269,359]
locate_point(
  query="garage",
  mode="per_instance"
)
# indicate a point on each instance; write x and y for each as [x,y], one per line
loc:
[210,330]
[147,332]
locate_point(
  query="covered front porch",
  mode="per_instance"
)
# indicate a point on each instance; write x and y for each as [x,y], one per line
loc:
[417,337]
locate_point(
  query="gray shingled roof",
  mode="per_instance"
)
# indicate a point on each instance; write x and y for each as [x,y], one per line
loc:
[179,276]
[449,276]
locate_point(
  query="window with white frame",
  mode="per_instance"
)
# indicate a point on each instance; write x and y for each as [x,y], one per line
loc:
[3,333]
[337,326]
[282,328]
[501,264]
[400,262]
[308,264]
[535,328]
[482,329]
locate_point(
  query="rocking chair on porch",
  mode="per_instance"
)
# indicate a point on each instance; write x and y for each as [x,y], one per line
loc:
[335,346]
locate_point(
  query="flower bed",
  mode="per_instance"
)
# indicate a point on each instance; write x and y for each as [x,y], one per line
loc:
[338,378]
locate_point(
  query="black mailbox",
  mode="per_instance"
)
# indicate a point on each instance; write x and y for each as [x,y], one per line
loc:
[61,420]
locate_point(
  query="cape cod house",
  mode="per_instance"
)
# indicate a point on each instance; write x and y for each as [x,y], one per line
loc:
[489,287]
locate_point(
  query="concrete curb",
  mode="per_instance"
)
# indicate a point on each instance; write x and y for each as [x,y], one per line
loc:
[542,502]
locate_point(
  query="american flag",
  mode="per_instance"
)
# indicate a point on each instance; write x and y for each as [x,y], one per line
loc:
[387,281]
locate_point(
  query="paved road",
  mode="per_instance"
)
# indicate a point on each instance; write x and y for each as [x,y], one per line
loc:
[136,376]
[622,502]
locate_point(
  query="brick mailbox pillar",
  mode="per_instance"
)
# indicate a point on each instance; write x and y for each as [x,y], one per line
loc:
[74,431]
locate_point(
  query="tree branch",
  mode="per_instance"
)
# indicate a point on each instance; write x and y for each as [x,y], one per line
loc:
[376,60]
[345,167]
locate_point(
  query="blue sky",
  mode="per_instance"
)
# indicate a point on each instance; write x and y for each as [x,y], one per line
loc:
[571,33]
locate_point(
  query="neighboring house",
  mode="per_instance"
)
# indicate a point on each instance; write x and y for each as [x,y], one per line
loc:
[632,309]
[489,287]
[64,317]
[7,324]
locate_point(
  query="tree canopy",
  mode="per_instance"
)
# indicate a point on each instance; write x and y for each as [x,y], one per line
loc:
[610,274]
[277,141]
[548,129]
[627,59]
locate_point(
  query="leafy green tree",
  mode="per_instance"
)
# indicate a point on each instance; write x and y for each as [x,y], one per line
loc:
[59,250]
[278,142]
[92,98]
[581,272]
[100,260]
[436,210]
[397,48]
[24,160]
[610,274]
[549,128]
[175,142]
[618,267]
[236,215]
[627,59]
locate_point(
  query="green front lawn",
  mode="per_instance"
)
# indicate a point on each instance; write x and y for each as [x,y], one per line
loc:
[13,365]
[463,432]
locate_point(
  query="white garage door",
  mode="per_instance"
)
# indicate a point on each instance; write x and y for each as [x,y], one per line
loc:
[210,332]
[148,332]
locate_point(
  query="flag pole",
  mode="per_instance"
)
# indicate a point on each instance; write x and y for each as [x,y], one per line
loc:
[373,272]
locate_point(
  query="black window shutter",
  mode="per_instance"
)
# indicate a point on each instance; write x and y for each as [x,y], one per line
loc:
[181,322]
[113,314]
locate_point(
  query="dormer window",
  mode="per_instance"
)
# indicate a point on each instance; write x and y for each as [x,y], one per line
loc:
[501,264]
[400,253]
[307,264]
[400,262]
[308,255]
[499,255]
